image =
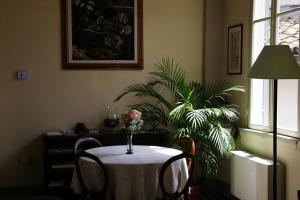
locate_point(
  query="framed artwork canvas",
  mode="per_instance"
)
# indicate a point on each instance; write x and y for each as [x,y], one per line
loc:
[102,34]
[234,49]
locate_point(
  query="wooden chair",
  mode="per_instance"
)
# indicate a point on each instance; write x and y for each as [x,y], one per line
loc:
[86,192]
[86,143]
[183,194]
[187,145]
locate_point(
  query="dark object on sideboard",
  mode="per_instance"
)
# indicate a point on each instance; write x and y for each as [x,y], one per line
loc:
[80,128]
[111,122]
[59,153]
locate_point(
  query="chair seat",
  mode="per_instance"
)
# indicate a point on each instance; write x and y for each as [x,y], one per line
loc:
[186,144]
[87,192]
[184,192]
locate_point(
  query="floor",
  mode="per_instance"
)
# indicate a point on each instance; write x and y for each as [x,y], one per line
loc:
[215,195]
[66,194]
[34,191]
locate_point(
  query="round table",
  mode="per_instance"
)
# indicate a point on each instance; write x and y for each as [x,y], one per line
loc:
[133,176]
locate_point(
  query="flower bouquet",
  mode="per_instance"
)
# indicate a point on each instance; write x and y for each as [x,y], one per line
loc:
[133,122]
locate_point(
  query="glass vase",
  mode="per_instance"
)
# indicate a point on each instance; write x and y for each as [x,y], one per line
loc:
[129,144]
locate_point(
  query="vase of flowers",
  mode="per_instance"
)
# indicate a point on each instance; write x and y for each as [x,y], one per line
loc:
[129,144]
[133,122]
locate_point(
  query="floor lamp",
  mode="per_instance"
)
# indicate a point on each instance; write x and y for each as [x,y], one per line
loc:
[275,62]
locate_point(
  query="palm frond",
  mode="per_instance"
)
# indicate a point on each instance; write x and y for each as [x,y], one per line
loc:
[197,99]
[221,139]
[181,132]
[207,158]
[197,118]
[171,75]
[178,113]
[217,91]
[209,164]
[229,112]
[154,82]
[141,89]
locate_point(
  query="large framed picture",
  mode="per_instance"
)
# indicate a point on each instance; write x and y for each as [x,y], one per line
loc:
[102,34]
[234,51]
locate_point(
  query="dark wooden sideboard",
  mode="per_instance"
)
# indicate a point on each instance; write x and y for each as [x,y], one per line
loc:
[59,155]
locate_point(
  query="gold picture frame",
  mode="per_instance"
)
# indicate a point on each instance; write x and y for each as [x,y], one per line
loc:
[100,34]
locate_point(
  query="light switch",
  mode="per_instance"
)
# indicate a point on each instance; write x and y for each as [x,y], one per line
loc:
[21,74]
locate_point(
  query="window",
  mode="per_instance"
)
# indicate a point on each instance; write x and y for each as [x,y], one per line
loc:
[275,22]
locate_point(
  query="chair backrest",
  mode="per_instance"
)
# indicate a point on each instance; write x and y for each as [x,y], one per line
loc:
[185,190]
[186,144]
[86,143]
[100,193]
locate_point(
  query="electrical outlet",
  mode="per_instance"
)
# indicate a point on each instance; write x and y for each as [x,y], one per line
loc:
[21,75]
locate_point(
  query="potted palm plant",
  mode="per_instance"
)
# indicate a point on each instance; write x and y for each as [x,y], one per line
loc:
[201,111]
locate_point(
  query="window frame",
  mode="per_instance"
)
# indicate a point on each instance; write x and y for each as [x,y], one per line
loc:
[273,18]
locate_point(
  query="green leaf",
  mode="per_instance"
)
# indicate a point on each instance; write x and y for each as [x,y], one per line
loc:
[171,75]
[144,90]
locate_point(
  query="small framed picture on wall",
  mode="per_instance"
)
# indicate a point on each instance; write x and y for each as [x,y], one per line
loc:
[234,49]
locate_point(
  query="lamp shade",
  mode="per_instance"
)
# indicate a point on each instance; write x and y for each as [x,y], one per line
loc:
[275,62]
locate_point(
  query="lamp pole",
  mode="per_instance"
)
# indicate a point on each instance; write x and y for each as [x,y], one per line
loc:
[275,140]
[275,62]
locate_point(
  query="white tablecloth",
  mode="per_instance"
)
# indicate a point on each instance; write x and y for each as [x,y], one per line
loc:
[133,176]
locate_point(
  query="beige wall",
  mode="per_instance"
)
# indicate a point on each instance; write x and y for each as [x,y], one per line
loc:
[214,53]
[55,99]
[236,12]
